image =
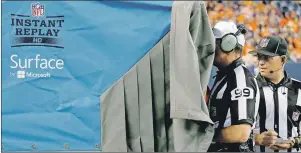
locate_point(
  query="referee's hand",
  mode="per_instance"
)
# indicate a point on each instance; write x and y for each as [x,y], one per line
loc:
[267,138]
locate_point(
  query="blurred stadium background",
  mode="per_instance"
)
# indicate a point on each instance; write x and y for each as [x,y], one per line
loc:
[263,18]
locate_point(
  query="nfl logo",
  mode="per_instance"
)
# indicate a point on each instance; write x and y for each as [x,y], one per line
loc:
[37,9]
[264,42]
[295,116]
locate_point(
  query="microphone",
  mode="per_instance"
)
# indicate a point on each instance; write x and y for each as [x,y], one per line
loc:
[273,71]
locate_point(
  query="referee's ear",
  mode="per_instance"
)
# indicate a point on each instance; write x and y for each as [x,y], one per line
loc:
[283,59]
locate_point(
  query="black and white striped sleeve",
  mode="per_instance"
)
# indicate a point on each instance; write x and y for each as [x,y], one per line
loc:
[244,97]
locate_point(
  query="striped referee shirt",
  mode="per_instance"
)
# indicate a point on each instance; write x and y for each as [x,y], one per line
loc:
[279,109]
[234,100]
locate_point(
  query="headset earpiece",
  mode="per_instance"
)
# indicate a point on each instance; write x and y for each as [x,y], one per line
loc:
[230,41]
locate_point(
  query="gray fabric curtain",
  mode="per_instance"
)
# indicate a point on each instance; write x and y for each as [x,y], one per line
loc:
[158,105]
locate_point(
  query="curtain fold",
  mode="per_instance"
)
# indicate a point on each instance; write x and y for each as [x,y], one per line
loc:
[143,106]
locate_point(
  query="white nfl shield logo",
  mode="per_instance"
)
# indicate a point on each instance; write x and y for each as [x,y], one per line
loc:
[295,116]
[264,42]
[37,9]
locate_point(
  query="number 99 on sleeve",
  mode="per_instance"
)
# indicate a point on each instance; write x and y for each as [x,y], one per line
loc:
[246,93]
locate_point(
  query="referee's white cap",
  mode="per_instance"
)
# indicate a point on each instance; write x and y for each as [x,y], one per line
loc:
[225,27]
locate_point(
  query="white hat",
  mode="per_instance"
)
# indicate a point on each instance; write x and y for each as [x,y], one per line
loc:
[224,27]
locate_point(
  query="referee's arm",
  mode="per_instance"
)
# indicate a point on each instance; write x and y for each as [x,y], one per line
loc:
[243,107]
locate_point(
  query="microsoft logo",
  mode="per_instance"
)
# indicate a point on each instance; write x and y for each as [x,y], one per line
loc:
[20,74]
[24,74]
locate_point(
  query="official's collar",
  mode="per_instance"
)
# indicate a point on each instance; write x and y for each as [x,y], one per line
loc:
[286,81]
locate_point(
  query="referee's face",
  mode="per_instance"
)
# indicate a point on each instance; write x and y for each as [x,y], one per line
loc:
[269,65]
[221,58]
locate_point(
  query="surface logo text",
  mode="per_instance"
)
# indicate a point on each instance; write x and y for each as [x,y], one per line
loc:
[34,67]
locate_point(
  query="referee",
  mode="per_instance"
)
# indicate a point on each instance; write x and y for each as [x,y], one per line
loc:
[234,99]
[280,98]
